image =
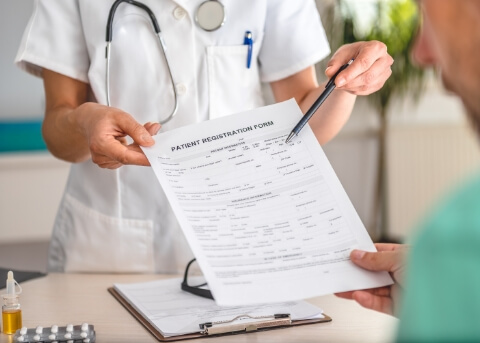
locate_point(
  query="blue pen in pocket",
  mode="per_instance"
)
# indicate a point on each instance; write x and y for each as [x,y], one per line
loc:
[249,42]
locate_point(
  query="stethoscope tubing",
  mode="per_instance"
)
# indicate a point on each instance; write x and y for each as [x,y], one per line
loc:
[156,27]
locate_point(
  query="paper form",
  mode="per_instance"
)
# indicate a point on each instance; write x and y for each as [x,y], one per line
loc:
[267,221]
[175,312]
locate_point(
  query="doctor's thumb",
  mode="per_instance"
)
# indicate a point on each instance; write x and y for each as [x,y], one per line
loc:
[152,128]
[141,136]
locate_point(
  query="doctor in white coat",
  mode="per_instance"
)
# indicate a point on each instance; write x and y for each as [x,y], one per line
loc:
[114,216]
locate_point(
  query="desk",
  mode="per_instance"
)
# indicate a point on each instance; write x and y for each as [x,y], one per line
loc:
[76,298]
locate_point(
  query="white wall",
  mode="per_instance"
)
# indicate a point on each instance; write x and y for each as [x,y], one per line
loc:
[31,188]
[21,95]
[430,149]
[30,184]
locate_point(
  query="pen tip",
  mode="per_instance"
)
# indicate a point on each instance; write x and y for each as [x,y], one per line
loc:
[289,138]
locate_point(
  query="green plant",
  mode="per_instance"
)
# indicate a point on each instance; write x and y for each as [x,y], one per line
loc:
[394,23]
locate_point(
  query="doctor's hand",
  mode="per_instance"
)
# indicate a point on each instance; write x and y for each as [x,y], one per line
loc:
[390,258]
[106,129]
[75,129]
[368,72]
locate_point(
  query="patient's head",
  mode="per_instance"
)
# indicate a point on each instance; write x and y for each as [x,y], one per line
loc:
[450,40]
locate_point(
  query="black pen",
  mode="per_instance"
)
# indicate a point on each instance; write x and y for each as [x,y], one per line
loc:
[328,89]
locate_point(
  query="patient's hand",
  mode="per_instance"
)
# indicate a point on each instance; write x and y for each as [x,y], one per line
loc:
[390,258]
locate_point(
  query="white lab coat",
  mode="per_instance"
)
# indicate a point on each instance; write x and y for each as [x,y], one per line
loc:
[119,220]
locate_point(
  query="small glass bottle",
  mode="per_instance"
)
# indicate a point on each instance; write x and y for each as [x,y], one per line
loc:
[11,310]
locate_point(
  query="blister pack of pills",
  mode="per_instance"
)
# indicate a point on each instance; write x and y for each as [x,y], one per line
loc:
[57,334]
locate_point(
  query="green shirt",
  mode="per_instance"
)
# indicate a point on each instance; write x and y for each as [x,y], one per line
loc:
[442,293]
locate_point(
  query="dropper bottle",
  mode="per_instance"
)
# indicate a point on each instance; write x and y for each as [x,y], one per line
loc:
[11,311]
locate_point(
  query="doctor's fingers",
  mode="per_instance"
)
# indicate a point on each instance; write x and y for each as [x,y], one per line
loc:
[368,82]
[110,165]
[365,55]
[118,153]
[122,140]
[126,125]
[152,128]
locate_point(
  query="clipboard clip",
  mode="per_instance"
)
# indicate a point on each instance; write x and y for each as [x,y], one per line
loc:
[252,323]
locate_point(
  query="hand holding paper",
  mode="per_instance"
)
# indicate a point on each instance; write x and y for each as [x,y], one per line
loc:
[267,221]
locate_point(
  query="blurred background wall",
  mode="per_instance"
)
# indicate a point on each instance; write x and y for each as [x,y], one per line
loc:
[31,180]
[429,148]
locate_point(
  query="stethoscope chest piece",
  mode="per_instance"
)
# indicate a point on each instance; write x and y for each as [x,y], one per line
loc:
[210,15]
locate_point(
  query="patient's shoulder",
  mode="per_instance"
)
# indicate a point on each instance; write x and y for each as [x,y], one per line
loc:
[456,218]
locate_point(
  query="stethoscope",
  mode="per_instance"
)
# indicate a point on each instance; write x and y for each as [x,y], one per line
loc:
[210,16]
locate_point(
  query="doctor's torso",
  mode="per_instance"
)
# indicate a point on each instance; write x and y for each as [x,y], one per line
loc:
[120,220]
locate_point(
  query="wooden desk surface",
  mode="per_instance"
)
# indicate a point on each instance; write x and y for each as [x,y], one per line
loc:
[63,299]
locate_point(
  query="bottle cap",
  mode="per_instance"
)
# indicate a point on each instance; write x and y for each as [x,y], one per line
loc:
[11,291]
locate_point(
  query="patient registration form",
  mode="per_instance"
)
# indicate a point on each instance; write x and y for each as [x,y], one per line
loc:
[267,221]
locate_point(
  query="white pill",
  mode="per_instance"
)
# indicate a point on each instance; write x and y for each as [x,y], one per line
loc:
[68,335]
[20,339]
[85,327]
[69,328]
[52,336]
[39,329]
[86,340]
[70,341]
[84,334]
[36,338]
[23,330]
[54,329]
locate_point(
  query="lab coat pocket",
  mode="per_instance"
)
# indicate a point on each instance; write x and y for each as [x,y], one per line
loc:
[99,243]
[232,86]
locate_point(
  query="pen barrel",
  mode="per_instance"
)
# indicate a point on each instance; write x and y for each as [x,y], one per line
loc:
[248,41]
[311,111]
[328,89]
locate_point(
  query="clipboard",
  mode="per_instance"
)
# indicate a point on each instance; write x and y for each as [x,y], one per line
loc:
[224,328]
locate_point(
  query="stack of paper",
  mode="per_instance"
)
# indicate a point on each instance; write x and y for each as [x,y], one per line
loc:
[174,312]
